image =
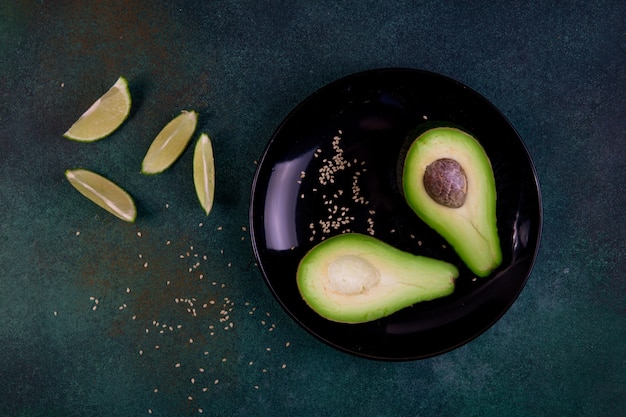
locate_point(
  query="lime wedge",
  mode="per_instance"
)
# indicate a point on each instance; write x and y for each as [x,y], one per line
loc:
[104,116]
[170,143]
[204,172]
[103,192]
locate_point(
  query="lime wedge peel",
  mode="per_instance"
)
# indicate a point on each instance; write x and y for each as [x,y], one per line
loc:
[204,172]
[170,143]
[104,116]
[103,192]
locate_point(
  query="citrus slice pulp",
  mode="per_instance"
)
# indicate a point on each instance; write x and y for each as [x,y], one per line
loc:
[103,192]
[104,116]
[204,172]
[170,143]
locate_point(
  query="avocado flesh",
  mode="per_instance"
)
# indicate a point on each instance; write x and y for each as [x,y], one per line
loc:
[471,229]
[356,278]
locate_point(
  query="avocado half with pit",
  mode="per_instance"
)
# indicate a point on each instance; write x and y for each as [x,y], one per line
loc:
[448,181]
[356,278]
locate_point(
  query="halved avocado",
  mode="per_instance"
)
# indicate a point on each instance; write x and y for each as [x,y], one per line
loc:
[356,278]
[448,181]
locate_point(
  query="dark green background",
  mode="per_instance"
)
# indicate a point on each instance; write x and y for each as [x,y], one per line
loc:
[556,70]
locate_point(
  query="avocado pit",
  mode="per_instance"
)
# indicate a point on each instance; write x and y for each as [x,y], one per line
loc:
[351,275]
[446,183]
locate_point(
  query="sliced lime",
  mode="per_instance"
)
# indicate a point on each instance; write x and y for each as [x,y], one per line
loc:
[104,116]
[204,172]
[170,143]
[103,192]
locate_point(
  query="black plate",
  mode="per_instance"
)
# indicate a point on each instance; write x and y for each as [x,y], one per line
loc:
[366,122]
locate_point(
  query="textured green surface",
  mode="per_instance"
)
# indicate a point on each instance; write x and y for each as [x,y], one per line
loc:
[557,71]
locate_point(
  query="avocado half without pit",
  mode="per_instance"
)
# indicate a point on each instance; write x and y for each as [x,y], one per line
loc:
[448,182]
[356,278]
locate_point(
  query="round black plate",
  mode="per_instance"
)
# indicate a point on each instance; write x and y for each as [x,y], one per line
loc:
[333,166]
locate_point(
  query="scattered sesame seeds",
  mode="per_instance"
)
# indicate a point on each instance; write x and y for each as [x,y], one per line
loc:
[338,217]
[196,289]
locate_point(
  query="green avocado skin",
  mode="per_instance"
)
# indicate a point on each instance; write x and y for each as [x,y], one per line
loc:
[405,279]
[472,228]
